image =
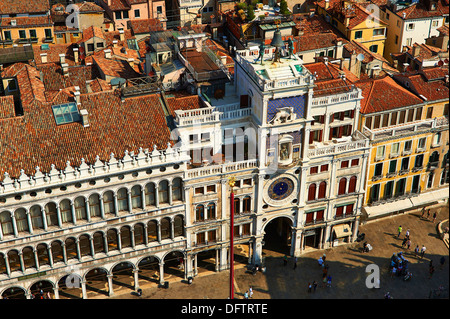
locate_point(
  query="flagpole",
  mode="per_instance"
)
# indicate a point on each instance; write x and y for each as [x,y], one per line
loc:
[231,183]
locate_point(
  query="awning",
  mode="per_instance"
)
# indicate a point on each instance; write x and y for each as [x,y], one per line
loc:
[430,197]
[387,208]
[342,230]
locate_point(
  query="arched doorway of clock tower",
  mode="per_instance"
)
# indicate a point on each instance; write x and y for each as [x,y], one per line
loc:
[278,236]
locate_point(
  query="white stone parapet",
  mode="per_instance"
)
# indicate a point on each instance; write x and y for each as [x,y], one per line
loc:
[98,169]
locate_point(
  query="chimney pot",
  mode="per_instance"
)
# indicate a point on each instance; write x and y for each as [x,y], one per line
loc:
[84,117]
[62,58]
[108,53]
[43,57]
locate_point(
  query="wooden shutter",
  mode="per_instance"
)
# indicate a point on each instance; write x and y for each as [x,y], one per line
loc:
[312,192]
[352,184]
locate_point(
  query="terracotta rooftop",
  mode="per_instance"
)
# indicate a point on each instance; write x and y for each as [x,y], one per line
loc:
[139,26]
[115,68]
[382,94]
[419,10]
[21,6]
[26,22]
[6,107]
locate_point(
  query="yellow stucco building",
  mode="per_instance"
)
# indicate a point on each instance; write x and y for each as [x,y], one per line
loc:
[356,21]
[408,133]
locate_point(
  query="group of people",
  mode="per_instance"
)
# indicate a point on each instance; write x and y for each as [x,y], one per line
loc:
[428,214]
[399,266]
[326,278]
[249,293]
[41,295]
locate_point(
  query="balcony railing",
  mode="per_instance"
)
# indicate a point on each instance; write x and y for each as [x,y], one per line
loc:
[407,128]
[222,168]
[338,98]
[338,148]
[197,116]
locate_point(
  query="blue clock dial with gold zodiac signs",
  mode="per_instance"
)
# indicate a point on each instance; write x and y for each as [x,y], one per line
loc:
[281,188]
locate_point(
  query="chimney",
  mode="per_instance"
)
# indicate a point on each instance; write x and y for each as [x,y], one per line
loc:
[325,60]
[405,67]
[107,54]
[355,65]
[77,97]
[327,4]
[84,117]
[62,58]
[75,55]
[65,69]
[43,57]
[115,43]
[416,50]
[131,62]
[122,35]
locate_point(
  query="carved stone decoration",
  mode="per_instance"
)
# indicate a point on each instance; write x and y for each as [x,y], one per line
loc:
[283,115]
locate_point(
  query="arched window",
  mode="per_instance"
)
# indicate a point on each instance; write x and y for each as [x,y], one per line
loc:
[71,248]
[211,211]
[150,199]
[199,213]
[85,245]
[152,231]
[36,217]
[165,228]
[342,186]
[57,251]
[51,214]
[6,221]
[42,253]
[434,158]
[80,208]
[138,234]
[66,211]
[312,192]
[28,258]
[322,189]
[94,205]
[178,226]
[14,260]
[163,192]
[21,220]
[112,240]
[108,203]
[176,189]
[125,236]
[122,200]
[99,243]
[352,184]
[247,204]
[136,199]
[3,264]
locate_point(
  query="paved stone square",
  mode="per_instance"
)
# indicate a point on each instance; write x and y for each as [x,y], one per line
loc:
[347,265]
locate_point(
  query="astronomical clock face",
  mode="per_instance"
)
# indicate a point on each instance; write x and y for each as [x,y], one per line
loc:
[281,188]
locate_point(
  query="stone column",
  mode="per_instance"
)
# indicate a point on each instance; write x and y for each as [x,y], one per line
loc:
[161,272]
[44,219]
[143,197]
[105,243]
[56,291]
[88,210]
[136,279]
[297,241]
[36,259]
[14,224]
[170,193]
[158,226]
[157,195]
[102,207]
[74,217]
[77,242]
[130,205]
[119,241]
[172,229]
[63,246]
[116,205]
[145,234]
[83,289]
[195,265]
[132,237]
[302,191]
[22,265]
[50,256]
[110,285]
[30,223]
[58,214]
[91,243]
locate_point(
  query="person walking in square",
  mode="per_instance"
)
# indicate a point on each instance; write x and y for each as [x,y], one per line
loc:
[329,281]
[422,251]
[309,287]
[428,213]
[250,292]
[408,244]
[399,231]
[314,285]
[404,241]
[442,262]
[416,250]
[423,212]
[434,216]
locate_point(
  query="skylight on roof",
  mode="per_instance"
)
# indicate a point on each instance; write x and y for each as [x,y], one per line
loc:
[66,113]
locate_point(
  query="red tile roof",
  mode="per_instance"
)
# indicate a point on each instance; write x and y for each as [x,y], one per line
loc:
[139,26]
[21,6]
[420,10]
[6,107]
[184,103]
[115,68]
[22,22]
[382,94]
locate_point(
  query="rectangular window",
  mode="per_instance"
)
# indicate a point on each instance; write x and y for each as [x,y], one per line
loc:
[430,113]
[422,143]
[199,190]
[22,34]
[137,13]
[405,164]
[125,14]
[385,120]
[48,33]
[410,26]
[373,48]
[396,39]
[408,145]
[211,188]
[418,113]
[314,170]
[392,166]
[395,148]
[118,15]
[33,34]
[378,32]
[355,162]
[389,189]
[159,9]
[368,122]
[7,35]
[358,34]
[344,164]
[324,168]
[380,151]
[378,169]
[394,118]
